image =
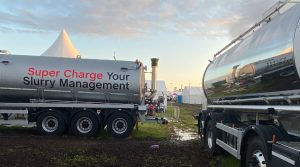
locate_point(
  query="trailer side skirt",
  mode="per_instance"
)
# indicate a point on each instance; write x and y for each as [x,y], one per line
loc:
[235,148]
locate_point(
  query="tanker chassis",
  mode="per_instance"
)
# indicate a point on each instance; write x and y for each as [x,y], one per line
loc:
[77,95]
[253,94]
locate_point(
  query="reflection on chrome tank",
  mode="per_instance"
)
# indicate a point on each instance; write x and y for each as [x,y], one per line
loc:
[263,62]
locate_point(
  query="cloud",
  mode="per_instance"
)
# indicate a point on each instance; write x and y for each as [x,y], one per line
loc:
[249,13]
[134,18]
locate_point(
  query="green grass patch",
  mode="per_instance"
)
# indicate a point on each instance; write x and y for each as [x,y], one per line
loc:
[185,121]
[153,131]
[186,116]
[225,161]
[2,127]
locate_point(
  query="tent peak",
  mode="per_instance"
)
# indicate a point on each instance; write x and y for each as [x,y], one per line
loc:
[62,47]
[63,32]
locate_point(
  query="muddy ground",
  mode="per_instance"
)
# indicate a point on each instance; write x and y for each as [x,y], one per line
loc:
[21,147]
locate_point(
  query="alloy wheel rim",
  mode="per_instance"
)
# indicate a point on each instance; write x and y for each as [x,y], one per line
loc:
[119,125]
[257,159]
[84,125]
[50,124]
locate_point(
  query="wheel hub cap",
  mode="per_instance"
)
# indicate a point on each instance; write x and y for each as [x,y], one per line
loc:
[50,124]
[258,159]
[119,126]
[84,125]
[209,139]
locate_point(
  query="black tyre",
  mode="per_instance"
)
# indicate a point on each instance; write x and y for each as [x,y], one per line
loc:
[5,116]
[256,154]
[210,138]
[200,126]
[51,124]
[119,125]
[85,124]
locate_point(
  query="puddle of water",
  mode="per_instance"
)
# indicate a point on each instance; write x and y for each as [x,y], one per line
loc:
[185,135]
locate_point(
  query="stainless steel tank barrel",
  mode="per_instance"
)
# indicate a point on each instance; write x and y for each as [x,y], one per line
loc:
[265,63]
[26,78]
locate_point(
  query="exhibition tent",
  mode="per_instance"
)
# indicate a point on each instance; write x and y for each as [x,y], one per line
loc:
[62,47]
[193,95]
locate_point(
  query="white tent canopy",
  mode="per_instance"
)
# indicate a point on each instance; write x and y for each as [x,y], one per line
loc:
[160,86]
[193,95]
[62,47]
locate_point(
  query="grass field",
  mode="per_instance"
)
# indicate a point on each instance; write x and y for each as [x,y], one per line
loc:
[185,122]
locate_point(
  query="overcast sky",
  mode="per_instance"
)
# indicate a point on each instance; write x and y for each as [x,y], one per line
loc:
[183,34]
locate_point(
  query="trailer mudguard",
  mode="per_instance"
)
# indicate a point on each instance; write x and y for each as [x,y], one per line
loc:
[265,133]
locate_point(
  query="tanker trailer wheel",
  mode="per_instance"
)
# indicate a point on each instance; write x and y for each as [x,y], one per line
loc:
[119,125]
[256,154]
[51,124]
[85,124]
[210,138]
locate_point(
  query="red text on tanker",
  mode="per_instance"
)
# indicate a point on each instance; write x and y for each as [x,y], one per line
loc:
[69,73]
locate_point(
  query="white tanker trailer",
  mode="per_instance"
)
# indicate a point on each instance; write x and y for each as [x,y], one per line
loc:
[253,93]
[80,95]
[25,78]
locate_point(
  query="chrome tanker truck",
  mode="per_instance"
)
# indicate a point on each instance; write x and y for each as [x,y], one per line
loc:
[78,95]
[253,94]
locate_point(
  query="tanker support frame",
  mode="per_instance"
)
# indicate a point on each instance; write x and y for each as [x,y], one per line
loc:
[253,136]
[81,119]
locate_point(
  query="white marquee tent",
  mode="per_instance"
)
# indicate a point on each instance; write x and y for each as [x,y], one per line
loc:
[62,47]
[193,95]
[161,90]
